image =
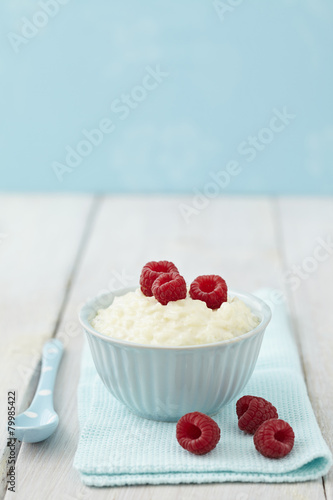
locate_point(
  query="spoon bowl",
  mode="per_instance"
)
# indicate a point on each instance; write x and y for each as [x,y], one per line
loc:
[31,427]
[40,420]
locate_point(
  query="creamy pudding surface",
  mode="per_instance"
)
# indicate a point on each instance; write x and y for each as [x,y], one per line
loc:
[137,318]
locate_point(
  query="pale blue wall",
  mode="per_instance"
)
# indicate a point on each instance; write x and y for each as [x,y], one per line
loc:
[227,72]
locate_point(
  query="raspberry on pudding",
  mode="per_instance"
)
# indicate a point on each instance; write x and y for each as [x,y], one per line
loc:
[169,287]
[153,270]
[211,288]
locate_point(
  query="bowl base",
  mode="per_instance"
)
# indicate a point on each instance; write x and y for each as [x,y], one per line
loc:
[166,418]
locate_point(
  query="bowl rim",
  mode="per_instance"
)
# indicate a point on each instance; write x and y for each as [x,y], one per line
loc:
[90,305]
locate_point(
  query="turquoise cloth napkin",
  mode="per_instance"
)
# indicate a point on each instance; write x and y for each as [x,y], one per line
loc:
[119,448]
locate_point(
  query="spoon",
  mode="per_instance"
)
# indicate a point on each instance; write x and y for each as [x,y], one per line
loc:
[40,420]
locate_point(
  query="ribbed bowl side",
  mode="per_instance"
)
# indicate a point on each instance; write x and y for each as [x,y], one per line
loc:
[238,365]
[164,384]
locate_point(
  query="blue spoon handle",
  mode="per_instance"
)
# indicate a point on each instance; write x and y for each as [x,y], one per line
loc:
[52,353]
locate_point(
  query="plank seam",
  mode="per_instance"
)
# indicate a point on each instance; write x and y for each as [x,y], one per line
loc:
[82,246]
[281,247]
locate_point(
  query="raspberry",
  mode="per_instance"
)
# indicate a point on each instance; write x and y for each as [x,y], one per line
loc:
[211,289]
[252,411]
[151,271]
[274,438]
[169,287]
[197,433]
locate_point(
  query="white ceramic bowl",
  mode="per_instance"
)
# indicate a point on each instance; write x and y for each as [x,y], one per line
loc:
[164,383]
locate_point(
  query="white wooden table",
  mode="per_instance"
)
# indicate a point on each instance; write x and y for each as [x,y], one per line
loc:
[58,250]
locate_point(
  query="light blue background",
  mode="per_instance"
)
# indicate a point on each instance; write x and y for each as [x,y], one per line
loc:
[226,75]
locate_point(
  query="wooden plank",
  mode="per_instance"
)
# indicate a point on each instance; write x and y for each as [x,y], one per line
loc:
[307,235]
[232,236]
[36,260]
